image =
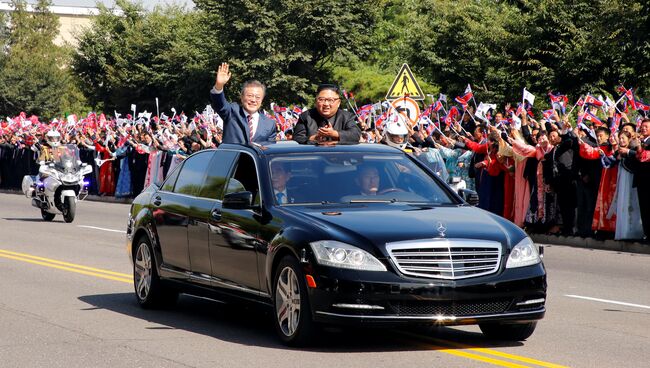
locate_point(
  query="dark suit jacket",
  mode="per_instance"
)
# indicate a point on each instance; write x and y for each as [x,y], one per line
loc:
[309,122]
[235,125]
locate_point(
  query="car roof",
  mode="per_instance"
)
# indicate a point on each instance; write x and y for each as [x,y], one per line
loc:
[287,147]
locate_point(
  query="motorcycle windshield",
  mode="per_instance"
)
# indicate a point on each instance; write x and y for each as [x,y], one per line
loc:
[66,158]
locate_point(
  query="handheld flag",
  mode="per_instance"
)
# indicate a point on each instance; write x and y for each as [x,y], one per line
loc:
[529,97]
[591,100]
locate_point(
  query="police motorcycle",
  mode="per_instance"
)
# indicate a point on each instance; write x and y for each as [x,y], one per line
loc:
[60,182]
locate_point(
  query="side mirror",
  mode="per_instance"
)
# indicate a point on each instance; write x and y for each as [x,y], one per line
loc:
[238,201]
[469,196]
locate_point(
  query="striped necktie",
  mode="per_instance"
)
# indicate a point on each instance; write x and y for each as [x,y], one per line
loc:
[250,126]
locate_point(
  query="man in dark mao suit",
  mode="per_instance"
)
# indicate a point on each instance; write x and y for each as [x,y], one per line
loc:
[243,123]
[326,122]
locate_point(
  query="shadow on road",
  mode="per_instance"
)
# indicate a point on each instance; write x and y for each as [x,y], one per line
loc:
[252,325]
[29,219]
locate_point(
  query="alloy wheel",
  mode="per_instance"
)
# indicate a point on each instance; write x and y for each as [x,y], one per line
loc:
[287,301]
[143,271]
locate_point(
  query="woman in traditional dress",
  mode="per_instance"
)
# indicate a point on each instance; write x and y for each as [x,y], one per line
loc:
[603,220]
[542,210]
[626,198]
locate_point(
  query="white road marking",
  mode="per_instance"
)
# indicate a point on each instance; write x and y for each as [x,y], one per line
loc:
[101,228]
[609,301]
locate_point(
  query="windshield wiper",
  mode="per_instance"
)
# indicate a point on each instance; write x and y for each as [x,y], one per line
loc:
[372,201]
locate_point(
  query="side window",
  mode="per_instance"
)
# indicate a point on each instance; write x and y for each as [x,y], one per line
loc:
[168,184]
[244,177]
[217,175]
[190,178]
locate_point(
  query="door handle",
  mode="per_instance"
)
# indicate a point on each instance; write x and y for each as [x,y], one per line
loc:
[157,201]
[216,214]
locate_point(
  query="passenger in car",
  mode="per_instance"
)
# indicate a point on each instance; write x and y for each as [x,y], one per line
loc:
[368,180]
[280,175]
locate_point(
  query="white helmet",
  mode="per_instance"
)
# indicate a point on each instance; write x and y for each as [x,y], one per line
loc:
[53,138]
[396,134]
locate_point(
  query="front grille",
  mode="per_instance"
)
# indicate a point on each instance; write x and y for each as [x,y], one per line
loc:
[458,309]
[449,259]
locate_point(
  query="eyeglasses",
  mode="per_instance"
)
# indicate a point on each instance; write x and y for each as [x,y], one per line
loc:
[323,100]
[253,97]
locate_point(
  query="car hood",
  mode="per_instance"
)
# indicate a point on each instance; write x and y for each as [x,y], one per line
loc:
[385,223]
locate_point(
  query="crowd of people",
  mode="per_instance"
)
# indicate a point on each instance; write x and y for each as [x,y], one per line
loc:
[589,178]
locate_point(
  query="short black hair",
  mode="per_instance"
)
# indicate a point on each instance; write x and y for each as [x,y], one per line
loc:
[630,125]
[327,86]
[603,129]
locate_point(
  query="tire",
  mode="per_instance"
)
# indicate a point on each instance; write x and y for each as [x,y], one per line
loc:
[150,291]
[291,308]
[69,209]
[47,216]
[508,331]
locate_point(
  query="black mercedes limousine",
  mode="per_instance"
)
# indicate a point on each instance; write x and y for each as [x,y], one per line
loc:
[333,235]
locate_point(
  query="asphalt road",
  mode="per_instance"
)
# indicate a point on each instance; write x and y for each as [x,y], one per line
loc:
[66,300]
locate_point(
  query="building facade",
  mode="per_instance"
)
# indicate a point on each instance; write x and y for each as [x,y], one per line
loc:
[72,20]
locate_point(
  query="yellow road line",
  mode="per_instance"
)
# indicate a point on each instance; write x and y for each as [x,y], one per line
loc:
[128,280]
[498,353]
[518,358]
[54,261]
[493,361]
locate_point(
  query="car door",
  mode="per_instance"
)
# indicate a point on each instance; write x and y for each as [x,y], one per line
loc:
[171,209]
[201,213]
[235,237]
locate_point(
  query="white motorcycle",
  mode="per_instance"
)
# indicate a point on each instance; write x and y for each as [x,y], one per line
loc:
[60,184]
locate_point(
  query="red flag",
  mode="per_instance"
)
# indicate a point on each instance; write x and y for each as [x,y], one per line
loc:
[592,118]
[641,106]
[450,118]
[437,106]
[591,100]
[464,99]
[630,98]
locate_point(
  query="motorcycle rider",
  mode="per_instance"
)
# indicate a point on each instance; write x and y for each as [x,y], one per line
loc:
[45,155]
[396,135]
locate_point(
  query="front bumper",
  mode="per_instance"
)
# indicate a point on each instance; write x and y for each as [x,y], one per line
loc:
[344,297]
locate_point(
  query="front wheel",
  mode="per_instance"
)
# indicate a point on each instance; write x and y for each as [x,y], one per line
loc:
[69,208]
[508,331]
[47,216]
[292,313]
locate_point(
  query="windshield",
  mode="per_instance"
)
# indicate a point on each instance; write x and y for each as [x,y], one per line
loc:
[343,177]
[66,158]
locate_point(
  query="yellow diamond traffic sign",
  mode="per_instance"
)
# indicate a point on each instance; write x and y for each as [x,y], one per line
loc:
[405,85]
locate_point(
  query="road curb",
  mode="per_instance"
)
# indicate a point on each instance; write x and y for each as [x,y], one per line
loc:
[590,243]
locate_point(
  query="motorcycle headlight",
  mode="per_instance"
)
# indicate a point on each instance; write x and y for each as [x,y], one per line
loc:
[525,253]
[336,254]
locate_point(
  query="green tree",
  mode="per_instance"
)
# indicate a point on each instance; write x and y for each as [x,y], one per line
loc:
[33,73]
[132,57]
[288,44]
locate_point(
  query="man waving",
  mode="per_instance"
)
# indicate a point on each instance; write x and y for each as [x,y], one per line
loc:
[242,124]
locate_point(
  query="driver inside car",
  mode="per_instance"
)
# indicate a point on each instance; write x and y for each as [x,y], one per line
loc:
[368,180]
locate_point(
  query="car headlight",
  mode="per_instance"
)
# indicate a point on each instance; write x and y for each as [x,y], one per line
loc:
[336,254]
[525,253]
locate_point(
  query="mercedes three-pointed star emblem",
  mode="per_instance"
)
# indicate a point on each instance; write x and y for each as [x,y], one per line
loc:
[441,229]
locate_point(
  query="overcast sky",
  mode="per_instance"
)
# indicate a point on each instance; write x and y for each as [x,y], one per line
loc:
[149,4]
